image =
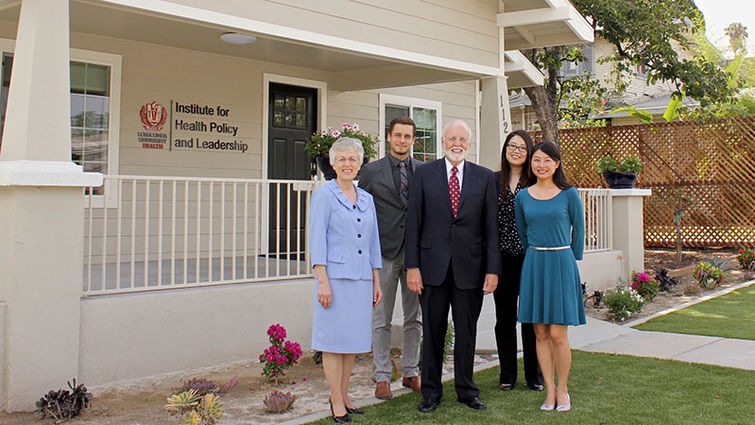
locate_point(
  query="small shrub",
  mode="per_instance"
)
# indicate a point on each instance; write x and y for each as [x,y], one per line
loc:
[280,355]
[278,401]
[665,281]
[195,409]
[707,275]
[205,386]
[62,403]
[746,259]
[646,286]
[631,165]
[622,302]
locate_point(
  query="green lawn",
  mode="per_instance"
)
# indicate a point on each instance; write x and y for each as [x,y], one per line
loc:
[605,389]
[731,316]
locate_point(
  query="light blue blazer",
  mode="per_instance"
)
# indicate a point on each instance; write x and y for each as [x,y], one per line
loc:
[342,236]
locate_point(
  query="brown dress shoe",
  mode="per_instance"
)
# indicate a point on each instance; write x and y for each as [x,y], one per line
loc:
[383,390]
[413,383]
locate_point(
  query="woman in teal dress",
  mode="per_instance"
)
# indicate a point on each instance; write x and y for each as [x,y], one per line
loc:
[551,225]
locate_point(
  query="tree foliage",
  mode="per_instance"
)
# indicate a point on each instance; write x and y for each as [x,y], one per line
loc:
[644,33]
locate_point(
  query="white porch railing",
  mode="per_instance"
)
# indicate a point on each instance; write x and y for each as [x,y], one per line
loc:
[598,219]
[175,232]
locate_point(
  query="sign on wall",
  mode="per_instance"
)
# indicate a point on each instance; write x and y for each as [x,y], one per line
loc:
[189,127]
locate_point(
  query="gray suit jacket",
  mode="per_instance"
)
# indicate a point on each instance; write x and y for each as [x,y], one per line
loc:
[377,179]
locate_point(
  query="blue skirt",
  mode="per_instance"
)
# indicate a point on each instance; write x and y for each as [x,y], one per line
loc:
[346,326]
[551,292]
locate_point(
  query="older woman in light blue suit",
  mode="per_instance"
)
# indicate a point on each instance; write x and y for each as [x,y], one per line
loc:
[345,250]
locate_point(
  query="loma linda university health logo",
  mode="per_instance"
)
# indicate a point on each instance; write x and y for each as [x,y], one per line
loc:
[153,116]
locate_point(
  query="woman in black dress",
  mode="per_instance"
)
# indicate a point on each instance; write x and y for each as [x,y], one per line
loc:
[515,174]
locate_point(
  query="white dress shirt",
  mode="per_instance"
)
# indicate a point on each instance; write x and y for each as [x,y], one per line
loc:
[459,174]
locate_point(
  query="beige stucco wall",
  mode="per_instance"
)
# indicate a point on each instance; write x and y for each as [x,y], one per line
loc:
[463,30]
[133,336]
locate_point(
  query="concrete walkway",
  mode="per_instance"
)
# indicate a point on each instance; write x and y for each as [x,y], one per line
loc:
[604,337]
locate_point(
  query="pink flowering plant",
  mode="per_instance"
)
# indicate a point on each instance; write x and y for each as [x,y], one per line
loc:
[746,259]
[708,275]
[645,285]
[281,354]
[321,141]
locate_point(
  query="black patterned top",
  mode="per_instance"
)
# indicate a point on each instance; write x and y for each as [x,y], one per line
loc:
[508,236]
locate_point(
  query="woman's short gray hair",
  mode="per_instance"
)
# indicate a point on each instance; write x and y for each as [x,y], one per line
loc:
[343,144]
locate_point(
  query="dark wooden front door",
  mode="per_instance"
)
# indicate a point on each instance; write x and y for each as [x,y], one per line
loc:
[292,113]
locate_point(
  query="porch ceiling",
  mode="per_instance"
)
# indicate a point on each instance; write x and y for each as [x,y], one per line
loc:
[351,70]
[541,23]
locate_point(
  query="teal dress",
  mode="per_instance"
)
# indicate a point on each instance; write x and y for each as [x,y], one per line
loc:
[551,292]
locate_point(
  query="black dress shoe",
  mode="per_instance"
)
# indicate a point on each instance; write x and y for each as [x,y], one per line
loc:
[354,411]
[473,403]
[428,405]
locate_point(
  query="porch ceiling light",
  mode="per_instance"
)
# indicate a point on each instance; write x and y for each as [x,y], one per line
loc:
[236,38]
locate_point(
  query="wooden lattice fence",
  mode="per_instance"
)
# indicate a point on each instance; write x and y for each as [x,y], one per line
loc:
[708,167]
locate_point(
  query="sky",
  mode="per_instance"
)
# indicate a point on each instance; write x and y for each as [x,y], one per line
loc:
[720,13]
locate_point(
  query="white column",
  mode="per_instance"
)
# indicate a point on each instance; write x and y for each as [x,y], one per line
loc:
[495,120]
[41,213]
[628,230]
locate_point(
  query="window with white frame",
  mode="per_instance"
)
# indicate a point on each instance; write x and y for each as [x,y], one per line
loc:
[426,115]
[95,110]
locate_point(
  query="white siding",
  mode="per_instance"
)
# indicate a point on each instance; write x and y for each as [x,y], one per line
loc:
[464,30]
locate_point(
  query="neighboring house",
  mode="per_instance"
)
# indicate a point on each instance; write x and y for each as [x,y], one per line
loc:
[194,241]
[652,98]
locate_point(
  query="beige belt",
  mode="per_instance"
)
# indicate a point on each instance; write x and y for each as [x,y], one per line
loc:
[549,248]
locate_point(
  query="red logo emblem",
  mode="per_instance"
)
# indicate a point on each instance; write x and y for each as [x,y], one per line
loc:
[153,116]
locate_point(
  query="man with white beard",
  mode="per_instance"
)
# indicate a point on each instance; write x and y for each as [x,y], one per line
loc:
[452,259]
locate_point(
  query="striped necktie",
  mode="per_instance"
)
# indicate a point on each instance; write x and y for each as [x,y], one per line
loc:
[404,188]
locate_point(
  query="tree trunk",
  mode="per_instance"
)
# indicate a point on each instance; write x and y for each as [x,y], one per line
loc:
[545,112]
[544,98]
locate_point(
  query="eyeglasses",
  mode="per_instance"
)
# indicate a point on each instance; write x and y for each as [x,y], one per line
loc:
[514,148]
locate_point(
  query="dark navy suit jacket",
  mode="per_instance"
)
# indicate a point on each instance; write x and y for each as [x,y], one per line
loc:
[435,239]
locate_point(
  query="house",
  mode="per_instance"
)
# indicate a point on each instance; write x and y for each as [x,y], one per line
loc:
[153,182]
[653,98]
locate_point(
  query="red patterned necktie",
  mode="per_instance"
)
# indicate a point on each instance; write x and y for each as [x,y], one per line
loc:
[453,190]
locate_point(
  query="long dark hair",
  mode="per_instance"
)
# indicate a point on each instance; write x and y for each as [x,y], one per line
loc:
[526,178]
[550,149]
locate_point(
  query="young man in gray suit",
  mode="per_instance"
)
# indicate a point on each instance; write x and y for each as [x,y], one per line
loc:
[387,180]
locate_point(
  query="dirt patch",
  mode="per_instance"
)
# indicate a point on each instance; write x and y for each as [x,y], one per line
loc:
[657,259]
[142,403]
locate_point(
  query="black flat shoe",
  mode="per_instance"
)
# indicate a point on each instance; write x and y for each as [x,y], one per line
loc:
[473,403]
[354,411]
[339,419]
[428,405]
[506,387]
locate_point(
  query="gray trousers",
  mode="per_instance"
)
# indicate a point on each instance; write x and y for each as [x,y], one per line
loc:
[393,270]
